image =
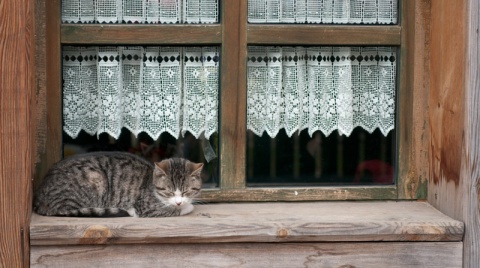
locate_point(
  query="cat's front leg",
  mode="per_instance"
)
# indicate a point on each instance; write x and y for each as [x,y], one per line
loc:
[187,208]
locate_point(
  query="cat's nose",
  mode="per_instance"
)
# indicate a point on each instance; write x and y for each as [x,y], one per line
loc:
[178,198]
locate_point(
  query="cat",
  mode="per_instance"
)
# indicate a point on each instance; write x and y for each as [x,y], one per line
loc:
[114,184]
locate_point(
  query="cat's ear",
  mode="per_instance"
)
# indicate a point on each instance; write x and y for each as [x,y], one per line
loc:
[161,167]
[197,169]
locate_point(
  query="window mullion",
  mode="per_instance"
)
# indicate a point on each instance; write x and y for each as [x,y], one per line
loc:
[405,104]
[54,148]
[233,94]
[145,34]
[284,34]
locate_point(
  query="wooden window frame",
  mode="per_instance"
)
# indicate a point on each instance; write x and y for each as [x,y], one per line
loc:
[234,34]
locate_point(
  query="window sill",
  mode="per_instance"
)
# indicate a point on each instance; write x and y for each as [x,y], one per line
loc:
[259,222]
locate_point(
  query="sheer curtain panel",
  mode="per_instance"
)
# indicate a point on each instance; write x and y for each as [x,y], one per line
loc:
[144,89]
[320,88]
[323,11]
[139,11]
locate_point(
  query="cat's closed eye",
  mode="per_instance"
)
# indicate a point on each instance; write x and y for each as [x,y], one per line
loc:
[190,190]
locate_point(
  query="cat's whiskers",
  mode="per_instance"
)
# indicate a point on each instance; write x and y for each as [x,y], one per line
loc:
[199,202]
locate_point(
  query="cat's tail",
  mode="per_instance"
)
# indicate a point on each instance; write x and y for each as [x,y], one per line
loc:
[101,212]
[90,212]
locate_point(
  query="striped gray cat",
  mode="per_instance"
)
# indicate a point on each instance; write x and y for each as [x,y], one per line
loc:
[110,184]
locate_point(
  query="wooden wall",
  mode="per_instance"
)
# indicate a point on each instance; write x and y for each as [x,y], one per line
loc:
[454,117]
[16,129]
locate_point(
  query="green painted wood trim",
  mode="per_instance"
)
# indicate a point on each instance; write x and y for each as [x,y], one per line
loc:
[300,194]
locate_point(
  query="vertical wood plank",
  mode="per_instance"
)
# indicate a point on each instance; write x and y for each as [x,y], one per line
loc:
[446,105]
[412,101]
[54,95]
[16,129]
[454,183]
[470,168]
[404,112]
[421,62]
[40,91]
[233,95]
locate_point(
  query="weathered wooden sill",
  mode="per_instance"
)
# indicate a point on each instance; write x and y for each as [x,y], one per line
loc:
[314,234]
[259,223]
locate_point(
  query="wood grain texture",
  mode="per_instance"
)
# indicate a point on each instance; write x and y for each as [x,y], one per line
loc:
[416,182]
[300,194]
[447,94]
[17,80]
[200,34]
[41,89]
[405,96]
[259,222]
[233,95]
[454,118]
[470,168]
[412,113]
[446,106]
[347,255]
[277,34]
[54,146]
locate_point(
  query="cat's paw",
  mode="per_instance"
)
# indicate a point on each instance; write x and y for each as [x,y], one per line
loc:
[187,208]
[132,212]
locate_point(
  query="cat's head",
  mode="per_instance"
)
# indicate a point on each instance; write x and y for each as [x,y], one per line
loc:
[176,181]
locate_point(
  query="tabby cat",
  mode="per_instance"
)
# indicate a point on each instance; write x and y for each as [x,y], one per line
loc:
[110,184]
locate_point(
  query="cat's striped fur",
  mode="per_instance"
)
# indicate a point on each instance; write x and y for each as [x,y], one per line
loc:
[109,184]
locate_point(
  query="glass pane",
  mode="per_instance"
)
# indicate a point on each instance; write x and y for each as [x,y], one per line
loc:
[157,102]
[334,97]
[360,159]
[166,146]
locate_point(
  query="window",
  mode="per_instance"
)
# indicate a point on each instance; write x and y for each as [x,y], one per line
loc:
[247,171]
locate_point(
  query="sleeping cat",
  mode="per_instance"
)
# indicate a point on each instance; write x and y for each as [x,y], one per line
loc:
[109,184]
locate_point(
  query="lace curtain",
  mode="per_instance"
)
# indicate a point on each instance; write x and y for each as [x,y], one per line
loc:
[139,11]
[323,11]
[320,88]
[144,89]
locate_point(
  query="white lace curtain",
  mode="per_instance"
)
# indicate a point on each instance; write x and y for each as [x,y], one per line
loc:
[140,11]
[323,11]
[144,89]
[320,88]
